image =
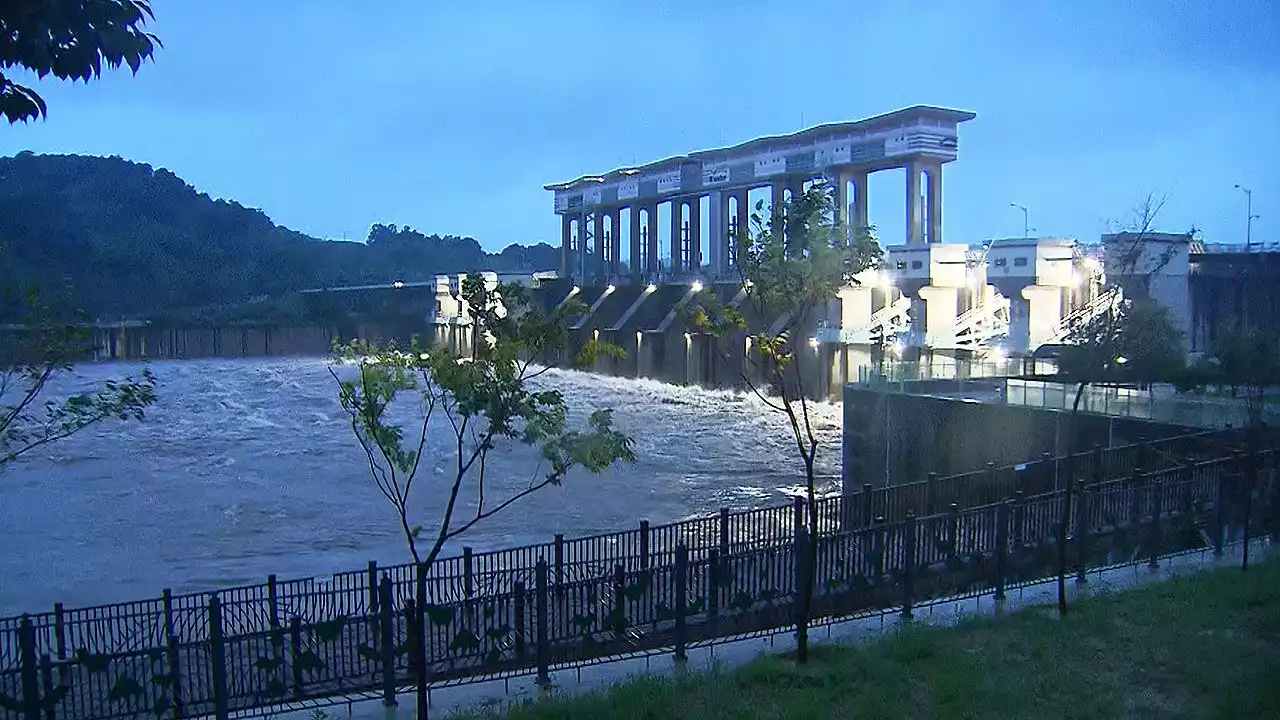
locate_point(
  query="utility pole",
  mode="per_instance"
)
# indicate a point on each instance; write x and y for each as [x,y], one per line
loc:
[1026,231]
[1249,216]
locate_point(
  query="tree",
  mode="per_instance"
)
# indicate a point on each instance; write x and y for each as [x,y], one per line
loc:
[483,398]
[148,244]
[1123,336]
[791,265]
[41,345]
[71,40]
[1246,362]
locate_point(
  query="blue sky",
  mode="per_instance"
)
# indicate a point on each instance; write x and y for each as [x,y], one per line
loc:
[331,115]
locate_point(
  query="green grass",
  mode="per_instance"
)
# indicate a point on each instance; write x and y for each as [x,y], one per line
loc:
[1201,647]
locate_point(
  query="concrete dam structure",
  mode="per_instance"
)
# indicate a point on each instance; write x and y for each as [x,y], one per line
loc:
[645,322]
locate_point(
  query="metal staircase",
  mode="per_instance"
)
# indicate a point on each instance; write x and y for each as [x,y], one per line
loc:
[890,320]
[978,326]
[1107,301]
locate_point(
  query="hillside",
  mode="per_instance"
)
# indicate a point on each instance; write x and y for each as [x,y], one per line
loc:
[124,239]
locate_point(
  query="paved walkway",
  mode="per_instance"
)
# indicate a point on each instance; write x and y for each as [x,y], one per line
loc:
[732,653]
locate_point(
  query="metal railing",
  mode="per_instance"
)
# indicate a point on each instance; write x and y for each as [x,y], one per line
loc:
[1134,403]
[522,609]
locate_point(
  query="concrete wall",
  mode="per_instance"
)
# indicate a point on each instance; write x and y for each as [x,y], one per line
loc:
[892,438]
[170,343]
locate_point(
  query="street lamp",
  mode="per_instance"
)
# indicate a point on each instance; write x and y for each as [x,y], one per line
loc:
[1248,211]
[1026,230]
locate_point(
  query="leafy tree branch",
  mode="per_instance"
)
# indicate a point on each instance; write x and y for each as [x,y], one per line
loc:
[482,399]
[40,344]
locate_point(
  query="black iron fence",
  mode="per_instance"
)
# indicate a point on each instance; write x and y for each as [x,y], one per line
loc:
[484,615]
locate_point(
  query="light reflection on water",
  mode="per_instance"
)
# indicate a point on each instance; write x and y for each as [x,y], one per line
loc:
[246,468]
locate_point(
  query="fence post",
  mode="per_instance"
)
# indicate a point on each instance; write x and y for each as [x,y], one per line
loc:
[559,561]
[619,600]
[175,675]
[218,659]
[519,599]
[1019,519]
[1135,497]
[681,577]
[797,517]
[543,645]
[724,532]
[273,599]
[420,620]
[1083,511]
[468,574]
[385,605]
[60,630]
[1003,517]
[1247,482]
[30,669]
[953,532]
[295,645]
[644,544]
[713,582]
[909,563]
[878,548]
[1219,509]
[931,493]
[374,590]
[166,597]
[867,508]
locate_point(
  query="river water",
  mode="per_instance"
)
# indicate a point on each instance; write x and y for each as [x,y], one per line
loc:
[247,468]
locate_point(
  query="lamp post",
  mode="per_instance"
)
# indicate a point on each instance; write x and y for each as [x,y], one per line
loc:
[1025,222]
[1249,216]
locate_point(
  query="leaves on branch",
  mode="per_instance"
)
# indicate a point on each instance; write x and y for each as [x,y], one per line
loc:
[484,398]
[48,344]
[71,41]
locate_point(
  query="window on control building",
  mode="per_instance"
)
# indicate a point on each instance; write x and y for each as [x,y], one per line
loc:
[917,264]
[1019,262]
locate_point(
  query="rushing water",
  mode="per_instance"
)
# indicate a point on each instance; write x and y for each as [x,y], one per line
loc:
[246,468]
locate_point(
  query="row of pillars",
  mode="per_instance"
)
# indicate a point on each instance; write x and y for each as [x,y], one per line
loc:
[600,229]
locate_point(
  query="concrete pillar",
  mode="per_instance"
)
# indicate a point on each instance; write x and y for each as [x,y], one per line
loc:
[677,236]
[695,234]
[935,203]
[840,178]
[795,184]
[913,204]
[651,241]
[860,204]
[566,240]
[1044,313]
[597,235]
[615,242]
[718,227]
[446,304]
[778,198]
[634,260]
[855,306]
[581,272]
[941,306]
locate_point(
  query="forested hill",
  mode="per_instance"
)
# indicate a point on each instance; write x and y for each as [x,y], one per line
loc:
[124,239]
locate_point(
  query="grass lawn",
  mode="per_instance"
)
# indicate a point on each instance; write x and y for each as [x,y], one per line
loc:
[1201,647]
